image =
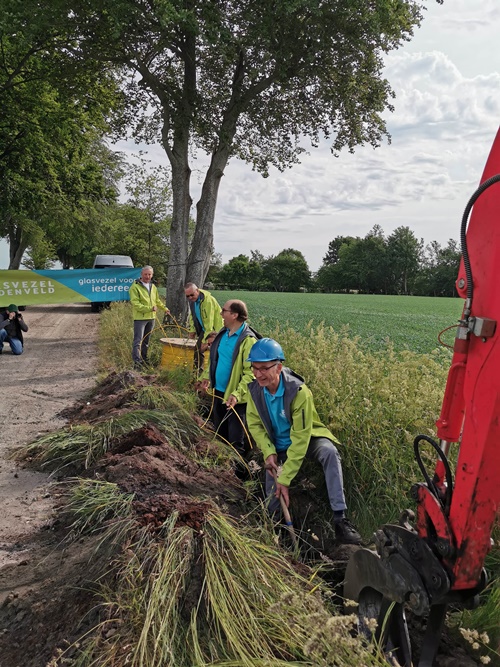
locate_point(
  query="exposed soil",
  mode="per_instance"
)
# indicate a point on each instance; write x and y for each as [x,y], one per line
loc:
[58,366]
[47,583]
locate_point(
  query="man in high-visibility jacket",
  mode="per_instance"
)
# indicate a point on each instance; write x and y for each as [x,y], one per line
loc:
[206,320]
[228,374]
[145,302]
[285,425]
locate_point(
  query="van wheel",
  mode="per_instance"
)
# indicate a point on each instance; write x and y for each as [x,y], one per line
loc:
[95,307]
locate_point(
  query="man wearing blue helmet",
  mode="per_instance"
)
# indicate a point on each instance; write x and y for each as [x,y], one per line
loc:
[285,425]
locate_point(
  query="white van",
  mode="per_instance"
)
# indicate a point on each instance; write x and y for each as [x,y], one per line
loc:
[113,261]
[109,262]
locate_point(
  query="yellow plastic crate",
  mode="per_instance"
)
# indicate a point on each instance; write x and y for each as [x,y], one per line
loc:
[177,352]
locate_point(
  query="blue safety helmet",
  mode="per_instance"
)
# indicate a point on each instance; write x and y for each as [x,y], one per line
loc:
[266,349]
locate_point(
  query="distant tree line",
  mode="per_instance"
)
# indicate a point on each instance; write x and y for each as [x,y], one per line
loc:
[397,264]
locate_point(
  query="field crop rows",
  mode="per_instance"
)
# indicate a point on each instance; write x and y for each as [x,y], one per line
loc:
[408,322]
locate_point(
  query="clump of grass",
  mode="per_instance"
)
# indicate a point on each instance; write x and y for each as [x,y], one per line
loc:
[94,503]
[83,444]
[217,597]
[154,397]
[97,507]
[179,378]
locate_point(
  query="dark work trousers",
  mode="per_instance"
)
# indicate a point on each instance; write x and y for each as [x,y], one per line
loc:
[324,452]
[142,335]
[227,424]
[199,356]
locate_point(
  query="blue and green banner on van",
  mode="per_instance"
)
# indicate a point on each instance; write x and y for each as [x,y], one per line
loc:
[66,286]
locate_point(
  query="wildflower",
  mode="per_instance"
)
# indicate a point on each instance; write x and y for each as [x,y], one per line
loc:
[350,603]
[468,635]
[485,659]
[371,624]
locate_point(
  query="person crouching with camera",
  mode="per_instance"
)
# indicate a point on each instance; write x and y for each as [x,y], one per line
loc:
[12,326]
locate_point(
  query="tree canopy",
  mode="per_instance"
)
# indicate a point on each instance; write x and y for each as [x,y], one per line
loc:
[54,165]
[249,79]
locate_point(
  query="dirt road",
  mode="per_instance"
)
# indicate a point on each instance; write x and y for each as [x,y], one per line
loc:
[57,367]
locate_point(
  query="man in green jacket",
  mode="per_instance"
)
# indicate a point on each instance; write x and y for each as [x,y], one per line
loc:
[285,425]
[229,373]
[205,321]
[145,303]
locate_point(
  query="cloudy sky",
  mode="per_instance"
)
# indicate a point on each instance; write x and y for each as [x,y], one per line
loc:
[447,112]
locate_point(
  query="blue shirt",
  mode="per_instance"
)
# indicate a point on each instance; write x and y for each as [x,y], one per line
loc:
[225,360]
[197,312]
[281,425]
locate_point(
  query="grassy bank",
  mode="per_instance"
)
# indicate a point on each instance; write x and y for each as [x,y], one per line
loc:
[374,398]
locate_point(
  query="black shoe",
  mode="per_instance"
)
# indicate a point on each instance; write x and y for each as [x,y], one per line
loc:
[346,533]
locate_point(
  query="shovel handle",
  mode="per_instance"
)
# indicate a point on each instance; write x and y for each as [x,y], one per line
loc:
[286,513]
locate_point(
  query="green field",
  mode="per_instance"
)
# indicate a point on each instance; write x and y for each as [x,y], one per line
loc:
[409,322]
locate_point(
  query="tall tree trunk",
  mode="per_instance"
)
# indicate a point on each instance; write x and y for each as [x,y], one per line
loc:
[17,246]
[203,241]
[181,206]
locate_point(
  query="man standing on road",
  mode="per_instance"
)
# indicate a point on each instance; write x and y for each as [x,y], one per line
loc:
[285,425]
[205,320]
[12,326]
[145,303]
[229,373]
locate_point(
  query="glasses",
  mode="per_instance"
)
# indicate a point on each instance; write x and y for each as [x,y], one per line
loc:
[263,369]
[226,310]
[188,296]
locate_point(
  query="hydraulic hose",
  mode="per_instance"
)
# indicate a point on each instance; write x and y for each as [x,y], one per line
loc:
[463,238]
[430,484]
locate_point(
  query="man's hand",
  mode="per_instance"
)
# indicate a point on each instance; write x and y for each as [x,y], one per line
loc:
[191,335]
[203,386]
[271,464]
[11,316]
[210,338]
[155,308]
[231,402]
[282,492]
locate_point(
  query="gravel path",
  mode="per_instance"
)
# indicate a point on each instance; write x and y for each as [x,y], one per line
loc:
[57,368]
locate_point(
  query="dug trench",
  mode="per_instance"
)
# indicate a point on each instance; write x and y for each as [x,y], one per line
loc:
[49,585]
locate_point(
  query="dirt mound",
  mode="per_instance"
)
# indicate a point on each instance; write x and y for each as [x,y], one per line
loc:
[110,398]
[154,511]
[147,465]
[50,595]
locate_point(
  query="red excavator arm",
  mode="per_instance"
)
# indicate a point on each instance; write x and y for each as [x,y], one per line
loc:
[440,559]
